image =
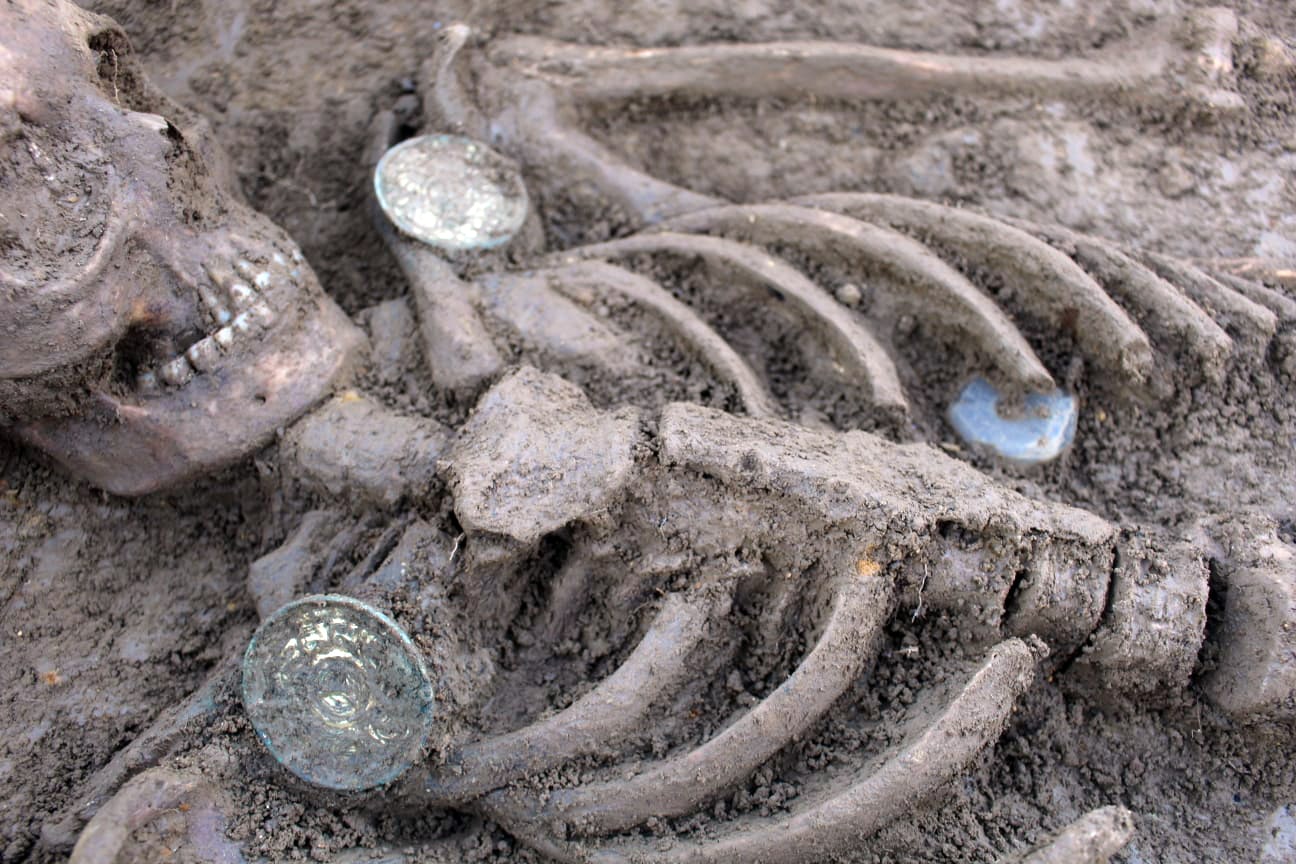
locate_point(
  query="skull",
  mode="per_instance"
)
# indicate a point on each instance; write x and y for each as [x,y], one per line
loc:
[152,325]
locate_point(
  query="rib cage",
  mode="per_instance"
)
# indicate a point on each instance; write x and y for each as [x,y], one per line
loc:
[1135,323]
[1001,562]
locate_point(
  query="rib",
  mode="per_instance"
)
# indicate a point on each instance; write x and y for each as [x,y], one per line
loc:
[139,802]
[1155,300]
[1280,304]
[679,785]
[535,128]
[613,710]
[933,757]
[687,324]
[855,346]
[1048,282]
[936,286]
[1244,315]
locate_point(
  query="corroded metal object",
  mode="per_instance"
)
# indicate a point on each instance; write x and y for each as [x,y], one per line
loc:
[451,192]
[337,692]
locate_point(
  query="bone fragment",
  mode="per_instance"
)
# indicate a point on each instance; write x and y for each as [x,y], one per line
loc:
[391,338]
[1092,839]
[536,456]
[834,70]
[144,752]
[352,447]
[283,574]
[1255,675]
[1151,633]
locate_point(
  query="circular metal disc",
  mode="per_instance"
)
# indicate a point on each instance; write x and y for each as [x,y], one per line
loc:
[451,192]
[337,692]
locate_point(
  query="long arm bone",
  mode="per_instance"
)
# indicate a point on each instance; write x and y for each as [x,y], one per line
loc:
[556,78]
[830,70]
[930,757]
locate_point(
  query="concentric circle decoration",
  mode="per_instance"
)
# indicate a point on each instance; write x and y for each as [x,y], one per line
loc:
[337,692]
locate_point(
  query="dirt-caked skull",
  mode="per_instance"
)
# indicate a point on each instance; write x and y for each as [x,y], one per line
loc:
[152,325]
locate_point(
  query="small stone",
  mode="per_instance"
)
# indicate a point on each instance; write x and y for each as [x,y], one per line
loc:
[1044,429]
[1174,180]
[850,294]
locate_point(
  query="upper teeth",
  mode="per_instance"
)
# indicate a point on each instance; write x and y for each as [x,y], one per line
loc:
[251,315]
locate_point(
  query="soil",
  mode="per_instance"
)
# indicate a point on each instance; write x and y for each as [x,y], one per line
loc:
[115,610]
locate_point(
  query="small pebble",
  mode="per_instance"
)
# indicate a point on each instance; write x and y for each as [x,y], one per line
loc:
[1043,431]
[850,294]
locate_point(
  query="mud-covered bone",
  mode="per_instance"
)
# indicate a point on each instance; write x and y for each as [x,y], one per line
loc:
[531,90]
[156,793]
[940,741]
[527,94]
[1002,563]
[1092,839]
[1155,621]
[183,328]
[352,447]
[283,574]
[536,456]
[1255,666]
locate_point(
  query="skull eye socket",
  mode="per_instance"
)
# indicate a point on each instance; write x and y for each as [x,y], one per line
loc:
[118,74]
[61,212]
